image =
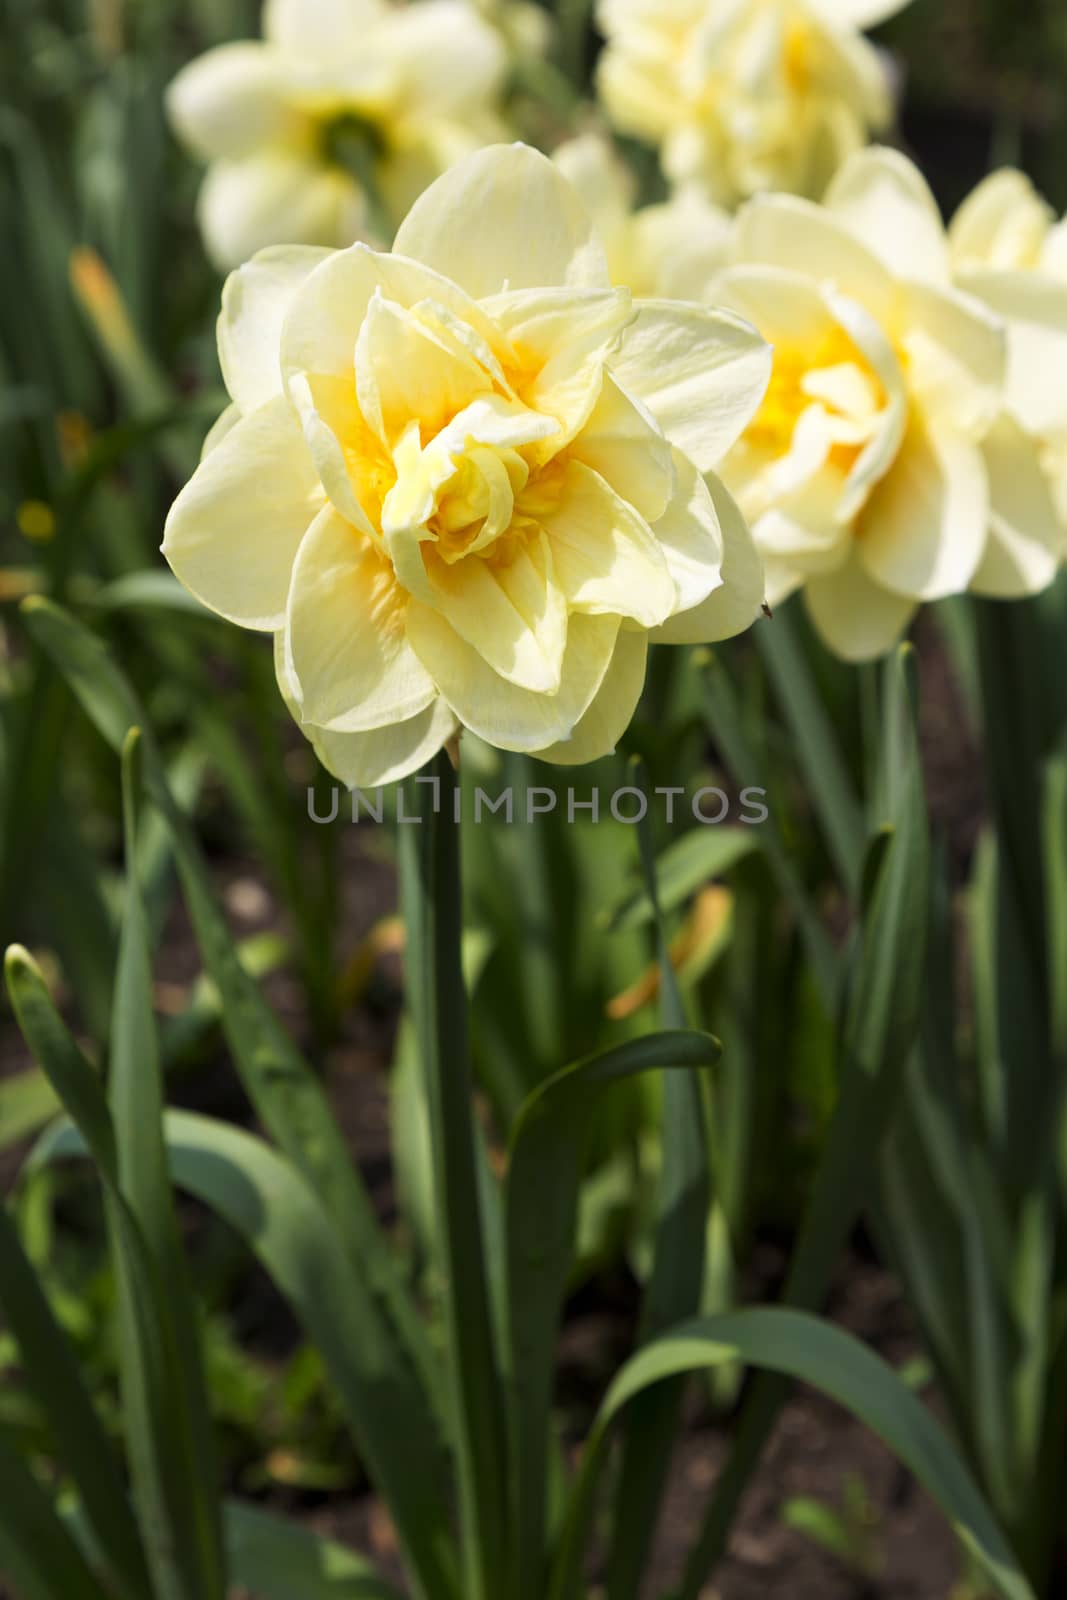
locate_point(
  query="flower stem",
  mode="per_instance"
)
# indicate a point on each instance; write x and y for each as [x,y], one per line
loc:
[430,885]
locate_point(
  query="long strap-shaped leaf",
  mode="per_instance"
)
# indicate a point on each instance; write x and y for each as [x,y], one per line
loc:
[37,1554]
[796,1345]
[879,1032]
[83,1446]
[152,1385]
[541,1202]
[171,1445]
[285,1092]
[674,1286]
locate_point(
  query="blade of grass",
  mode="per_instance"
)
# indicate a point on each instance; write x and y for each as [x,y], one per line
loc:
[37,1554]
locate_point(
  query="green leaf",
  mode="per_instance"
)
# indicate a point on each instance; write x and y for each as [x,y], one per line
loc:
[37,1554]
[796,1345]
[281,1085]
[817,748]
[684,867]
[27,1102]
[54,1378]
[274,1208]
[545,1164]
[674,1286]
[433,916]
[173,1445]
[879,1030]
[278,1560]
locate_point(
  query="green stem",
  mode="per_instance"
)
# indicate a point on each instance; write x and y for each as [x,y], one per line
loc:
[430,883]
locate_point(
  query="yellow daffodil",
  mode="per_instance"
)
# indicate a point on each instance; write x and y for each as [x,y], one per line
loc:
[865,474]
[1008,250]
[746,95]
[329,127]
[672,249]
[462,483]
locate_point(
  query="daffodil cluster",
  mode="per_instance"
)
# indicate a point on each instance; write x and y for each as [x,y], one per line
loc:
[466,483]
[906,449]
[326,129]
[742,96]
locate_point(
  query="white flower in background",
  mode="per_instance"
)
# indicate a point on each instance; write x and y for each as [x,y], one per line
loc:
[876,474]
[525,26]
[744,96]
[328,128]
[462,483]
[1008,250]
[672,249]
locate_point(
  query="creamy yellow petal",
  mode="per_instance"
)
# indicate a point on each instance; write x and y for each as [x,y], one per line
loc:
[622,442]
[1034,307]
[505,218]
[601,727]
[689,536]
[352,666]
[1027,540]
[350,461]
[701,373]
[219,429]
[450,60]
[957,356]
[500,712]
[405,371]
[877,456]
[255,299]
[510,609]
[858,13]
[735,604]
[1003,224]
[323,30]
[605,557]
[233,532]
[856,618]
[884,200]
[233,100]
[380,755]
[275,197]
[325,316]
[923,529]
[800,237]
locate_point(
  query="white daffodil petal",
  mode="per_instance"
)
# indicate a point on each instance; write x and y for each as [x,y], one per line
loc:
[701,373]
[800,237]
[1034,309]
[735,604]
[1002,225]
[884,200]
[322,29]
[451,58]
[923,530]
[689,535]
[219,429]
[326,314]
[352,664]
[599,730]
[269,197]
[605,556]
[499,712]
[356,472]
[233,532]
[857,619]
[255,299]
[1027,540]
[511,610]
[233,100]
[957,354]
[622,442]
[504,219]
[406,372]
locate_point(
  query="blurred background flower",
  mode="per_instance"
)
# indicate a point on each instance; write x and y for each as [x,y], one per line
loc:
[328,128]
